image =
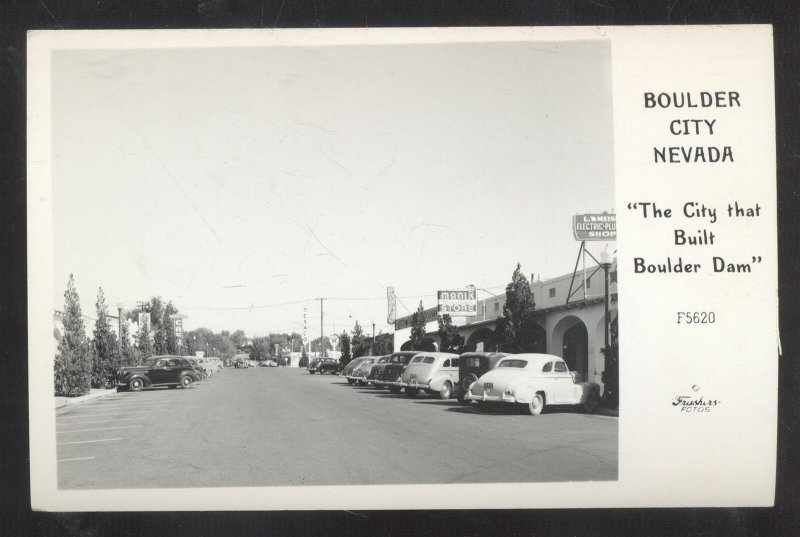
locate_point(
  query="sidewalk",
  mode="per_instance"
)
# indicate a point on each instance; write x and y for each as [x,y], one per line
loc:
[61,402]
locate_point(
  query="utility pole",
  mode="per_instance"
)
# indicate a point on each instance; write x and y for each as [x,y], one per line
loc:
[372,347]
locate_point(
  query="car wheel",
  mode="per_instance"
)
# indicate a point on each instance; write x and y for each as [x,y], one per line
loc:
[463,401]
[135,385]
[312,372]
[467,381]
[412,392]
[186,381]
[446,391]
[591,403]
[351,381]
[536,405]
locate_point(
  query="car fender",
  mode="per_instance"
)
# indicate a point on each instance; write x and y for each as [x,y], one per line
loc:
[524,392]
[144,377]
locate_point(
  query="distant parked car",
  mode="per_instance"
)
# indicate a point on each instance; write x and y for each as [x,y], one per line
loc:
[329,365]
[434,372]
[201,372]
[313,365]
[169,371]
[393,370]
[471,365]
[358,374]
[535,381]
[375,369]
[351,365]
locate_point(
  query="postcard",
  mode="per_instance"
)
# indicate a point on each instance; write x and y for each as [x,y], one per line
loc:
[388,268]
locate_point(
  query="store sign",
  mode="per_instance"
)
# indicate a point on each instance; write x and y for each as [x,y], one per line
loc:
[305,325]
[595,227]
[391,317]
[334,340]
[461,302]
[144,319]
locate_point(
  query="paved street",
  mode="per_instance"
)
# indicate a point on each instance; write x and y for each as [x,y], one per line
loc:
[274,427]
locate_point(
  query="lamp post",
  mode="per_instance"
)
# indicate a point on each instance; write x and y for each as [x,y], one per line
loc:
[605,261]
[120,306]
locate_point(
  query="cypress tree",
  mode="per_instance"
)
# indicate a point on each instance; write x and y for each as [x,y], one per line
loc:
[106,359]
[73,366]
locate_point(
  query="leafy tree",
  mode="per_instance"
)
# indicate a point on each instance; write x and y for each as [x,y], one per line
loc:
[449,338]
[238,338]
[171,337]
[358,342]
[261,349]
[418,323]
[73,366]
[143,342]
[130,354]
[345,348]
[317,347]
[106,355]
[516,328]
[384,344]
[303,358]
[156,309]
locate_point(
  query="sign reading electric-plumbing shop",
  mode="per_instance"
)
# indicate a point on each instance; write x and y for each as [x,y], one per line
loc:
[595,227]
[460,303]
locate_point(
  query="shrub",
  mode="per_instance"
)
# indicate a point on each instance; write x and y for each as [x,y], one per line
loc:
[73,372]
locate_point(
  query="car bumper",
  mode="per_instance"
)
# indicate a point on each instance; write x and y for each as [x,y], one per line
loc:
[490,398]
[413,384]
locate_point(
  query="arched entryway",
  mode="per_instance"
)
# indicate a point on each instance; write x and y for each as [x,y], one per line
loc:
[428,345]
[483,337]
[571,342]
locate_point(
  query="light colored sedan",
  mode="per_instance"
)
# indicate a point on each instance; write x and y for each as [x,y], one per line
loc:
[536,381]
[434,372]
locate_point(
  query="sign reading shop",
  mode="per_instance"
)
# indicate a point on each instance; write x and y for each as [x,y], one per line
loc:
[459,302]
[595,227]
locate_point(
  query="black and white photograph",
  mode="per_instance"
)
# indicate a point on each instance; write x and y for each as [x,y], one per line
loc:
[380,269]
[340,265]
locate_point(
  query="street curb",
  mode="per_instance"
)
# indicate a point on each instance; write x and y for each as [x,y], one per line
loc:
[608,412]
[72,401]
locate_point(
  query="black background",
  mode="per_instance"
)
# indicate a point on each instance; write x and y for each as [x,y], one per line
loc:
[16,17]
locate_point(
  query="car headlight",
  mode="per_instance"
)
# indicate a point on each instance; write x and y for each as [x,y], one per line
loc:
[509,391]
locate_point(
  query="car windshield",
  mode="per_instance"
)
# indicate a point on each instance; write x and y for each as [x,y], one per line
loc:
[513,363]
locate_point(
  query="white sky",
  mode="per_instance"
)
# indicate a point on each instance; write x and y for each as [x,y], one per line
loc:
[231,178]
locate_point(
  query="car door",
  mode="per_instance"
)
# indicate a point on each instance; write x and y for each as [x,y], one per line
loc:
[563,383]
[159,372]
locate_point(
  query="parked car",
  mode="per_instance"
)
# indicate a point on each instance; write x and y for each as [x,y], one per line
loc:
[329,365]
[471,365]
[169,371]
[313,365]
[206,365]
[535,381]
[358,374]
[393,370]
[375,368]
[434,372]
[201,372]
[347,371]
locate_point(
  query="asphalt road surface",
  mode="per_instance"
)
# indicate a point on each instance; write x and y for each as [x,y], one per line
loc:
[284,427]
